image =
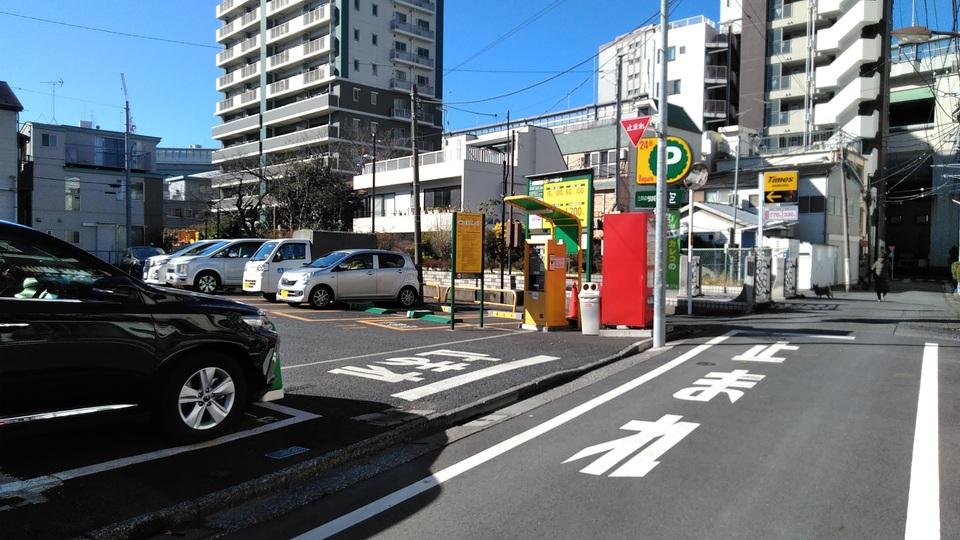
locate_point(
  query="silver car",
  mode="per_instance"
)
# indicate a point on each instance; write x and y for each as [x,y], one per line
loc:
[352,274]
[155,269]
[215,267]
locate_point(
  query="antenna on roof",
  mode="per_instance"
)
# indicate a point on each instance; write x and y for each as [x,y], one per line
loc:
[54,85]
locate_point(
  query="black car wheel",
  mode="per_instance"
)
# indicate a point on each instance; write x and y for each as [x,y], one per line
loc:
[202,397]
[320,297]
[206,282]
[407,297]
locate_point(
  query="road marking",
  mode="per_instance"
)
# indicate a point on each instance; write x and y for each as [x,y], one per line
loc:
[401,326]
[786,333]
[383,504]
[764,353]
[383,353]
[434,388]
[42,483]
[923,504]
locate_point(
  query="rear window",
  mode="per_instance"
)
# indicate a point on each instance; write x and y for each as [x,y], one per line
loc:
[390,260]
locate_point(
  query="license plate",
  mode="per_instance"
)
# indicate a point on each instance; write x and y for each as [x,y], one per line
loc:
[283,294]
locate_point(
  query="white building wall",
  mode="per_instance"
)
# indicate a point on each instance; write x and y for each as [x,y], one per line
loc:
[8,165]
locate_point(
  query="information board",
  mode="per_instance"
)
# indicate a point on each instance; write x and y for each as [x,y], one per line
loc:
[469,242]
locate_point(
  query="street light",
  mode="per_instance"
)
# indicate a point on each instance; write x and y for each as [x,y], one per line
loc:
[919,34]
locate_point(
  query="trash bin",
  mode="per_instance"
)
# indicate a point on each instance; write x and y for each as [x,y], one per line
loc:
[590,309]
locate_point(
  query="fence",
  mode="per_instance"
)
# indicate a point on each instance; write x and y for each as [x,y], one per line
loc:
[721,267]
[112,257]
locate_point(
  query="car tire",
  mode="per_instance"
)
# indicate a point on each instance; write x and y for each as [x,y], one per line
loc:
[206,282]
[270,297]
[407,297]
[320,297]
[202,397]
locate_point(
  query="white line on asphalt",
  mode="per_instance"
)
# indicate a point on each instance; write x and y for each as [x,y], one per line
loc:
[382,353]
[802,334]
[42,483]
[383,504]
[923,505]
[429,389]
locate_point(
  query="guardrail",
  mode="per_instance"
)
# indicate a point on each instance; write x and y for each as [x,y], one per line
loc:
[471,296]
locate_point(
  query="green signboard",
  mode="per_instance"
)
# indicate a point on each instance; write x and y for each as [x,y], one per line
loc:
[572,192]
[648,198]
[673,263]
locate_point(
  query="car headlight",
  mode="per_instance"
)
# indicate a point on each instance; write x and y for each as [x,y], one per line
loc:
[262,267]
[259,321]
[182,268]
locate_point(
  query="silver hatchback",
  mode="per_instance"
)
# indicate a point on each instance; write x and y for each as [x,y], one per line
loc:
[352,274]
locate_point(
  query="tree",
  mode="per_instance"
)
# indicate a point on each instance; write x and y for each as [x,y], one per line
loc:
[309,195]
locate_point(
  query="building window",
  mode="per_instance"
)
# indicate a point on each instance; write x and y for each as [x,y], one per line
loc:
[423,53]
[356,65]
[373,68]
[671,54]
[754,201]
[373,9]
[423,80]
[71,191]
[73,236]
[356,94]
[673,87]
[683,50]
[356,34]
[718,196]
[445,198]
[48,139]
[399,46]
[399,75]
[400,17]
[356,126]
[356,5]
[423,25]
[373,38]
[136,191]
[373,98]
[813,205]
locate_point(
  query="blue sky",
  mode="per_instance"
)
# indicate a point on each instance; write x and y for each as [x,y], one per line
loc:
[172,86]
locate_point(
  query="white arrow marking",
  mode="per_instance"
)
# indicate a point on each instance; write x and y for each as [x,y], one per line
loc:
[453,382]
[764,353]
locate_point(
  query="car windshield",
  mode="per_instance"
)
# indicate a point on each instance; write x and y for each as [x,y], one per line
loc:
[264,252]
[144,252]
[329,259]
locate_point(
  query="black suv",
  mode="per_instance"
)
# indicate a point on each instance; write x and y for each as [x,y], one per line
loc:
[79,336]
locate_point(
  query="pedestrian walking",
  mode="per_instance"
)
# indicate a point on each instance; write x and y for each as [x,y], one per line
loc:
[882,273]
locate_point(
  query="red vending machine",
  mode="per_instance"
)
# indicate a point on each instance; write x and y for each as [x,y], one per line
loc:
[629,243]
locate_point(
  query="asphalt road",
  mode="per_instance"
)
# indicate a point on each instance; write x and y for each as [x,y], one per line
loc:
[759,432]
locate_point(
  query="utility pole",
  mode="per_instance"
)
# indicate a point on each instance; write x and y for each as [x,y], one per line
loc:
[414,104]
[373,187]
[846,232]
[513,151]
[503,207]
[659,292]
[736,200]
[886,19]
[616,160]
[126,163]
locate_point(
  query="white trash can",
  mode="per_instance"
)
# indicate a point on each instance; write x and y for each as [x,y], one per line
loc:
[590,308]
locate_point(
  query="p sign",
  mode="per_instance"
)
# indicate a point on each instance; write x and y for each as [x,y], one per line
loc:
[679,160]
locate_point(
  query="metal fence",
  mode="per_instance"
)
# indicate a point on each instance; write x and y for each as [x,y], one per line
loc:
[723,267]
[112,257]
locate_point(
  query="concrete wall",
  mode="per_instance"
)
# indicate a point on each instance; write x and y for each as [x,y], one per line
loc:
[8,165]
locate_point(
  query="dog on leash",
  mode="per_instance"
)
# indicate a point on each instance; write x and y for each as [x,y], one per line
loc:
[822,291]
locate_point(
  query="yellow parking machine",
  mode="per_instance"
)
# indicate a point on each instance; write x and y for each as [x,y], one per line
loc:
[545,277]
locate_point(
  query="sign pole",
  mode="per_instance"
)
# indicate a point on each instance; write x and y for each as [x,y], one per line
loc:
[483,247]
[760,186]
[659,292]
[453,273]
[690,252]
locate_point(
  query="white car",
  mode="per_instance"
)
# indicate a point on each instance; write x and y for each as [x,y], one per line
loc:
[155,269]
[263,270]
[215,267]
[352,274]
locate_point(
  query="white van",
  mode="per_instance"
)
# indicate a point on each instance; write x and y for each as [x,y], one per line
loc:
[262,272]
[220,265]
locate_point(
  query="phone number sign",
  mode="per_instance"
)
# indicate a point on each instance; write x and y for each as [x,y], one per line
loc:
[572,194]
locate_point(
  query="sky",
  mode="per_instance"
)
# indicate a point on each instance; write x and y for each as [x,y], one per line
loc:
[492,47]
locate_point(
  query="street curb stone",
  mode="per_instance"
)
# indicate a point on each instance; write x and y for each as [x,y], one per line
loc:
[156,522]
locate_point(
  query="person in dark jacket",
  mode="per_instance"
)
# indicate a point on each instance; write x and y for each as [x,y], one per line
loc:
[882,273]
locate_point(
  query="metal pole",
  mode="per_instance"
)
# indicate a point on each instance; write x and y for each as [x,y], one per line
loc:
[504,245]
[416,186]
[616,159]
[659,292]
[760,213]
[513,144]
[846,232]
[373,187]
[453,272]
[126,174]
[736,199]
[690,251]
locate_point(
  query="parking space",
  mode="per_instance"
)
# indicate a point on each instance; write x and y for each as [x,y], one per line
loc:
[349,375]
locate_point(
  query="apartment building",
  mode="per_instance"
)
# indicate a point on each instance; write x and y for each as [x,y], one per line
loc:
[74,189]
[187,195]
[302,76]
[701,69]
[10,108]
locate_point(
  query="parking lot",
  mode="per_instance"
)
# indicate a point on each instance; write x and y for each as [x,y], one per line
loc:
[349,375]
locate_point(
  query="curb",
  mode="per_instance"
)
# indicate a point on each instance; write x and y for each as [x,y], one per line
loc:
[158,521]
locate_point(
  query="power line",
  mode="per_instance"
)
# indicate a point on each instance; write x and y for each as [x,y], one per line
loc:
[107,31]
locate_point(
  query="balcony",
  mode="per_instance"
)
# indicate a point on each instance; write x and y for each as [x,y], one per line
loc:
[300,81]
[397,84]
[88,155]
[275,7]
[294,27]
[715,74]
[780,123]
[791,50]
[291,112]
[237,26]
[403,113]
[786,86]
[848,28]
[794,14]
[230,7]
[714,108]
[238,51]
[238,76]
[305,137]
[413,30]
[236,102]
[423,5]
[299,53]
[411,59]
[846,67]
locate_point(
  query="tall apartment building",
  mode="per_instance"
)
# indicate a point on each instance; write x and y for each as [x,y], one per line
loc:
[700,72]
[304,75]
[809,69]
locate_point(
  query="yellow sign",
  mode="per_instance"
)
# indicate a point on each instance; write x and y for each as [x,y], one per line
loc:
[569,195]
[469,242]
[679,160]
[780,181]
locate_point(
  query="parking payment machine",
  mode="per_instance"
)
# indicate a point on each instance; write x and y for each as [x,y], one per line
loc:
[545,276]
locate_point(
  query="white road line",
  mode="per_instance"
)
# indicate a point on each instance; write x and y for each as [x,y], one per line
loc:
[42,483]
[429,389]
[383,353]
[923,505]
[786,333]
[363,513]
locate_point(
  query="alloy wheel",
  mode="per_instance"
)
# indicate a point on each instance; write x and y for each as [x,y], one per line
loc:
[206,398]
[207,284]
